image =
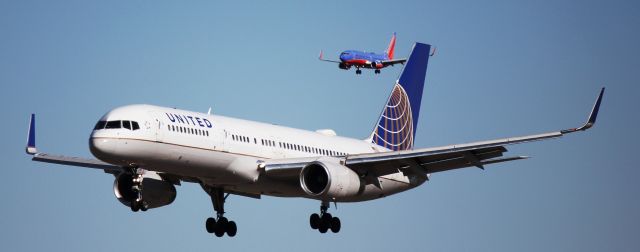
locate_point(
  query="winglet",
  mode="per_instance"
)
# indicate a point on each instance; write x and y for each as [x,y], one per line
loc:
[320,57]
[592,117]
[31,140]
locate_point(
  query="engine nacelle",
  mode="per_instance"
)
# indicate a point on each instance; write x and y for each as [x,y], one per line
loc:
[376,65]
[156,192]
[327,179]
[344,66]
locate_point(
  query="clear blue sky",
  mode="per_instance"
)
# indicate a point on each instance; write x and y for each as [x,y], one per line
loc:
[503,68]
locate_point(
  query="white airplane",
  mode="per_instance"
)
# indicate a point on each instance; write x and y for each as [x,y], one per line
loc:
[150,149]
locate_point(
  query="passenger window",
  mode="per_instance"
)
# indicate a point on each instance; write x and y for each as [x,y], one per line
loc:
[134,125]
[126,124]
[113,125]
[100,125]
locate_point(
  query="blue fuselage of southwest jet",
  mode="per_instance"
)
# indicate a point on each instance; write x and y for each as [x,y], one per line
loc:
[362,59]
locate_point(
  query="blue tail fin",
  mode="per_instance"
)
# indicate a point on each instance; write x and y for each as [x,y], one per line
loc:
[396,127]
[31,139]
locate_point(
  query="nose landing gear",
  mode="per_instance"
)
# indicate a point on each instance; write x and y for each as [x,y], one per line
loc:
[136,187]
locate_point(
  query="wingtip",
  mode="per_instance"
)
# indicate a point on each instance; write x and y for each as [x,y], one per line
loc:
[592,116]
[594,112]
[31,139]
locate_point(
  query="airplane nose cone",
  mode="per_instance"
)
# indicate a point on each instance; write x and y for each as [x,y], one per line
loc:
[102,148]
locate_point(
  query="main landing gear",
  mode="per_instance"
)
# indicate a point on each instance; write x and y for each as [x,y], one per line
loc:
[219,225]
[324,221]
[136,187]
[377,71]
[358,71]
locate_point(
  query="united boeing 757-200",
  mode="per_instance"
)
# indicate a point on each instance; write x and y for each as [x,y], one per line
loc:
[151,149]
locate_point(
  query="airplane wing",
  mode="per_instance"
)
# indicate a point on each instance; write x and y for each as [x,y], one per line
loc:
[429,160]
[64,160]
[393,62]
[97,164]
[321,57]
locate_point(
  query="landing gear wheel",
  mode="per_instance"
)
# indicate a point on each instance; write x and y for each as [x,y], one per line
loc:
[335,224]
[314,221]
[377,71]
[219,229]
[324,221]
[219,225]
[231,229]
[323,227]
[326,218]
[358,71]
[135,205]
[210,225]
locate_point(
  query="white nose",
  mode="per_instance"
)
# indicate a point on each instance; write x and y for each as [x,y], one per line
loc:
[102,148]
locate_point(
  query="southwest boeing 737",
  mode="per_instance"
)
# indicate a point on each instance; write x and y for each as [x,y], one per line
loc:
[151,149]
[359,59]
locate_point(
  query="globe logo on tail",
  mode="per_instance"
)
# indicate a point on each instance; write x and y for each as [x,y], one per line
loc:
[395,128]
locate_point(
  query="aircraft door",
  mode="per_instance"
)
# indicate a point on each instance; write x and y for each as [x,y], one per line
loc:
[158,129]
[221,140]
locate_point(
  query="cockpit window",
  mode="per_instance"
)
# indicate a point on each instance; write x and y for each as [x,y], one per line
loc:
[126,124]
[100,125]
[130,125]
[113,125]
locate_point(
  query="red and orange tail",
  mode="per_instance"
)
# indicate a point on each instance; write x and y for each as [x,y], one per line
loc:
[392,46]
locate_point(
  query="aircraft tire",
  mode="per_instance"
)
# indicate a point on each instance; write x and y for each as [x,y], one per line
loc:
[210,224]
[323,227]
[314,221]
[231,228]
[221,227]
[135,206]
[335,224]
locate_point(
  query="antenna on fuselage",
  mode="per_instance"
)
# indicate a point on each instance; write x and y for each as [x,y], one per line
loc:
[209,112]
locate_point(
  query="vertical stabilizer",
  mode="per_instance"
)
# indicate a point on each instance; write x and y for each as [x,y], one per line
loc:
[391,47]
[396,127]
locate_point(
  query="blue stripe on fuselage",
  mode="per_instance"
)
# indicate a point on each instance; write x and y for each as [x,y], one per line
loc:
[356,55]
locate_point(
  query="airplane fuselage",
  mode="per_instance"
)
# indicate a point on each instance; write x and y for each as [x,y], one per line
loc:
[361,59]
[225,152]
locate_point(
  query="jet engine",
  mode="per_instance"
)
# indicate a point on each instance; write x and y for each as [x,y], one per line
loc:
[156,192]
[376,65]
[327,179]
[344,66]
